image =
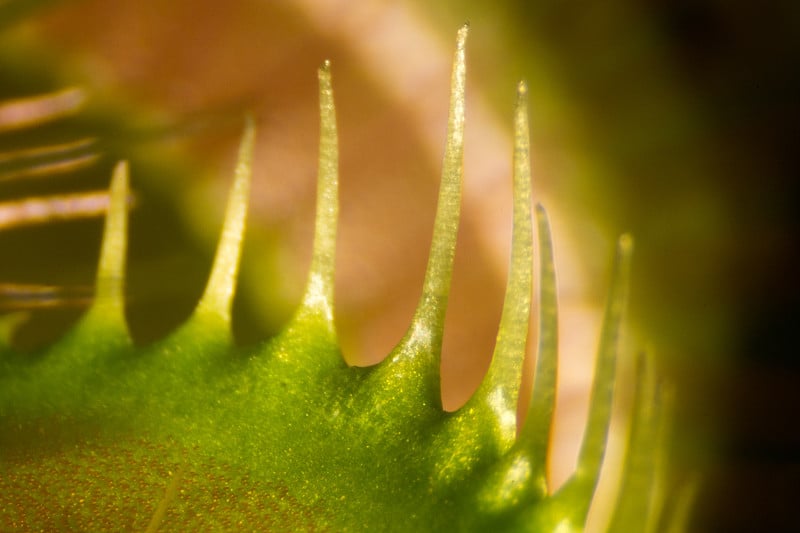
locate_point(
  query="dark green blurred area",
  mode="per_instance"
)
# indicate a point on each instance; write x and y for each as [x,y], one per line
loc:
[678,122]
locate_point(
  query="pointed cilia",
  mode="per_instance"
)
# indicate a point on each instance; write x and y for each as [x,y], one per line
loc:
[535,433]
[108,310]
[520,474]
[485,428]
[593,446]
[428,322]
[579,489]
[417,356]
[500,387]
[319,288]
[217,299]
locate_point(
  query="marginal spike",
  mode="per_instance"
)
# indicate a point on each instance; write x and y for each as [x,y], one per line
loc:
[639,480]
[664,423]
[522,470]
[500,388]
[318,296]
[108,307]
[535,433]
[485,428]
[428,321]
[580,488]
[408,379]
[217,299]
[430,312]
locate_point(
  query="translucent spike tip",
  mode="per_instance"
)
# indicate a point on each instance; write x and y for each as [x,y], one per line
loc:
[535,434]
[500,388]
[428,321]
[319,289]
[580,488]
[218,296]
[409,378]
[109,302]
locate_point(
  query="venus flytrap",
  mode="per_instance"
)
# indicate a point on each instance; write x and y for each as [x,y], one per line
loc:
[192,433]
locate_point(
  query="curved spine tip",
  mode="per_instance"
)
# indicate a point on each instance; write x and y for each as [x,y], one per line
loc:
[319,287]
[427,324]
[110,282]
[218,296]
[416,358]
[535,433]
[500,388]
[595,437]
[522,88]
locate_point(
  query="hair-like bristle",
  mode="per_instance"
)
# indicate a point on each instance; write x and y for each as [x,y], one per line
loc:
[103,328]
[639,481]
[428,322]
[579,489]
[107,313]
[319,297]
[519,475]
[411,371]
[500,388]
[534,436]
[315,314]
[109,288]
[217,299]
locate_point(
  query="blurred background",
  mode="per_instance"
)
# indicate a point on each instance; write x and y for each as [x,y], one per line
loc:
[670,120]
